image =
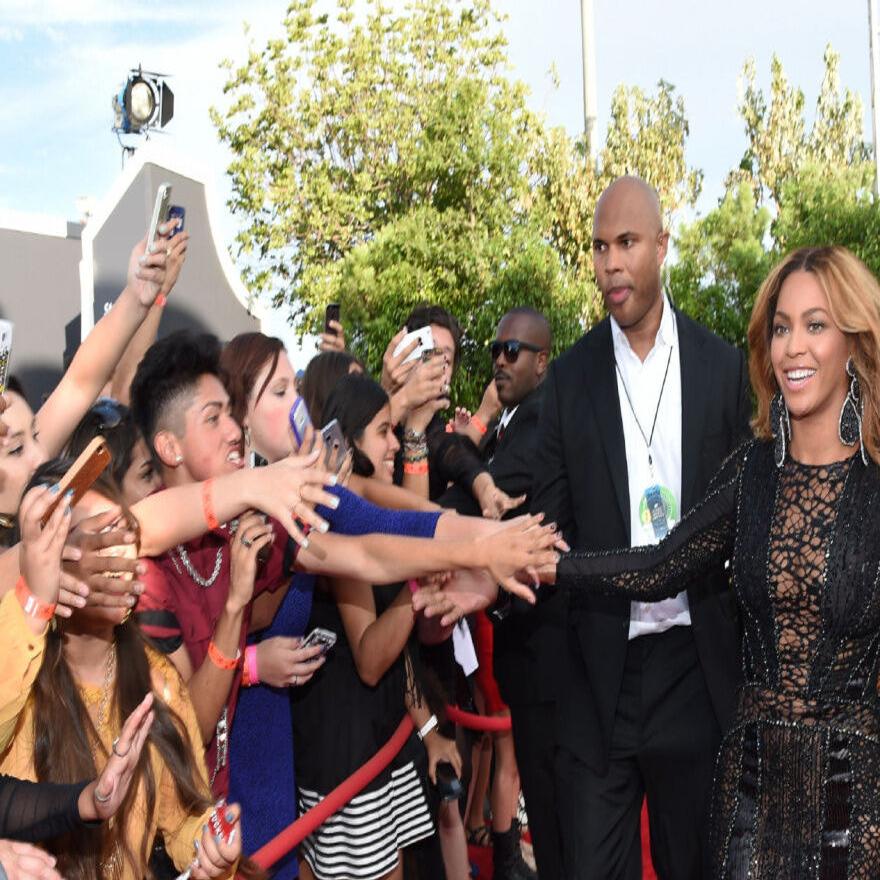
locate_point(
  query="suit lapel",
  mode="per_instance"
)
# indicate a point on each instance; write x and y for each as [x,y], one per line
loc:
[694,398]
[601,382]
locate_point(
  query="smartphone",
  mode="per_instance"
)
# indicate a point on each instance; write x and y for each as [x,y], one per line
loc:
[335,447]
[160,213]
[299,420]
[324,637]
[177,212]
[448,785]
[81,474]
[426,343]
[331,313]
[5,352]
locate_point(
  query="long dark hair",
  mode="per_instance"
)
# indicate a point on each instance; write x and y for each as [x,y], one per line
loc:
[320,378]
[354,402]
[65,736]
[113,421]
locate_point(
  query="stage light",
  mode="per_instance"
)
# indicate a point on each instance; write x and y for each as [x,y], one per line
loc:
[144,102]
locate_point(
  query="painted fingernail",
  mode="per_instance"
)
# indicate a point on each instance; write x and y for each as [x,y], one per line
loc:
[80,602]
[68,494]
[335,503]
[332,482]
[143,259]
[55,488]
[324,527]
[198,845]
[230,816]
[232,837]
[131,601]
[137,588]
[305,544]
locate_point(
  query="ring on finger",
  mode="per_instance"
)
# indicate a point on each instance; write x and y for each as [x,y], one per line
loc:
[246,542]
[167,252]
[117,752]
[295,680]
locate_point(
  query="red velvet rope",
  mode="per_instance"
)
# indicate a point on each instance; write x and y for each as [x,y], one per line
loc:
[493,723]
[284,842]
[295,833]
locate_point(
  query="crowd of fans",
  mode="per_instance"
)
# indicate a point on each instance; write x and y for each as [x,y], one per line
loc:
[233,618]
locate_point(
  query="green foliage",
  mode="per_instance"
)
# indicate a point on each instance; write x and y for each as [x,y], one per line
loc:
[385,159]
[793,188]
[722,260]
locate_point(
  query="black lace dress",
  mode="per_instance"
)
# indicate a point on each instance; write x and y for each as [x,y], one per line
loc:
[797,787]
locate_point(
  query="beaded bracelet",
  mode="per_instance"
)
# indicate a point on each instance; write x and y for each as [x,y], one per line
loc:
[414,437]
[32,605]
[208,505]
[220,660]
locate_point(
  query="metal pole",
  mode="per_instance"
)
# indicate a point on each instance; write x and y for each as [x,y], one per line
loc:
[588,57]
[875,88]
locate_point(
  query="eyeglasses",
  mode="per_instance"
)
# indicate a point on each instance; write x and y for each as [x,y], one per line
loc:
[511,349]
[110,412]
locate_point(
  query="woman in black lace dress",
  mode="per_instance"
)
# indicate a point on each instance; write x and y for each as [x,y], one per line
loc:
[797,511]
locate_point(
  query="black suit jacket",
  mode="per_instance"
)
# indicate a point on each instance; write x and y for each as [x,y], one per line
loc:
[581,482]
[528,640]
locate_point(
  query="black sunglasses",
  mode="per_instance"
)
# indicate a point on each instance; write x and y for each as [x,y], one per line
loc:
[511,349]
[110,412]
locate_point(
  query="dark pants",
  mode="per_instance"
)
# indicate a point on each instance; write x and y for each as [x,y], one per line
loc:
[534,742]
[665,740]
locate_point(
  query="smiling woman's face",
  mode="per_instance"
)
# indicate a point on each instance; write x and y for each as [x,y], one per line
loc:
[808,350]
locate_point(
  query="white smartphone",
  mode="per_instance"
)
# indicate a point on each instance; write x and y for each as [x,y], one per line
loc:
[160,214]
[5,352]
[324,637]
[426,343]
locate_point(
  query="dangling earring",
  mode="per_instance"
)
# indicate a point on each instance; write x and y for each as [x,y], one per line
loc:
[780,427]
[247,436]
[849,428]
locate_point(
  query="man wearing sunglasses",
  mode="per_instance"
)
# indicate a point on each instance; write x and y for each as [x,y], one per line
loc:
[520,356]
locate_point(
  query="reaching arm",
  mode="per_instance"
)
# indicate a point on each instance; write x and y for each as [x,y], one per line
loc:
[100,352]
[376,641]
[701,540]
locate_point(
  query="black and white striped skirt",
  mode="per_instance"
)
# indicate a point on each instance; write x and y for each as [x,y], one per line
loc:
[362,840]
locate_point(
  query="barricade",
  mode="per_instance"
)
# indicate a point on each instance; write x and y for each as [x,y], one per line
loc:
[296,832]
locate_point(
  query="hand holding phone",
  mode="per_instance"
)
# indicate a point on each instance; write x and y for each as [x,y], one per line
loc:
[425,339]
[299,420]
[335,447]
[81,475]
[331,314]
[160,214]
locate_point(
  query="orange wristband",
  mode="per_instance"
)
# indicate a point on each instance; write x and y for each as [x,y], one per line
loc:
[208,505]
[220,660]
[31,605]
[415,467]
[478,424]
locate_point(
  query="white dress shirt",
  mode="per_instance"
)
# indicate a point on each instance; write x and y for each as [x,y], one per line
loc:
[644,381]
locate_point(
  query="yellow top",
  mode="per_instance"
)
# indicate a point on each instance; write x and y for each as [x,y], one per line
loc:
[179,829]
[21,653]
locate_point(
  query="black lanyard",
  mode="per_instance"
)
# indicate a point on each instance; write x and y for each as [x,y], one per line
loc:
[648,440]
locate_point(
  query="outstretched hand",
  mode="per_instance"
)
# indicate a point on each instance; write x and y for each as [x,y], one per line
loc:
[102,798]
[23,861]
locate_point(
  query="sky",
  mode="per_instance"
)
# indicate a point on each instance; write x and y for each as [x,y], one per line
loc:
[61,61]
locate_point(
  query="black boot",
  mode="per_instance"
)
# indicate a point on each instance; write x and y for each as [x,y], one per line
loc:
[507,860]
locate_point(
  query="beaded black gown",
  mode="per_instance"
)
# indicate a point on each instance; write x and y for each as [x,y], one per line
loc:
[797,784]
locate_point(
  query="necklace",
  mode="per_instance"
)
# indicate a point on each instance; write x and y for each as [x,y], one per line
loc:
[649,439]
[190,569]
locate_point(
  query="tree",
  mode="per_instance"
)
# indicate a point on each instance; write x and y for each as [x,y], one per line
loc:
[385,159]
[793,187]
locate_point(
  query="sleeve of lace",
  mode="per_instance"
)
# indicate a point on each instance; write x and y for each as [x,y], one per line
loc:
[703,539]
[35,811]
